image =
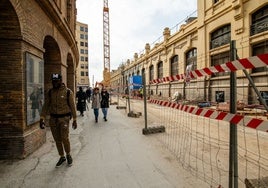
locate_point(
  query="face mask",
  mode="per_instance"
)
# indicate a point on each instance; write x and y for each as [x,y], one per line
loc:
[56,84]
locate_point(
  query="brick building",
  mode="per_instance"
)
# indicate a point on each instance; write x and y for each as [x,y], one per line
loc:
[37,38]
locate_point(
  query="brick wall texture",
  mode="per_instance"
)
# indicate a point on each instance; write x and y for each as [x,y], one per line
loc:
[29,26]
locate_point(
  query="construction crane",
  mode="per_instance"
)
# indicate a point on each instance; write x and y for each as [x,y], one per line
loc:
[106,44]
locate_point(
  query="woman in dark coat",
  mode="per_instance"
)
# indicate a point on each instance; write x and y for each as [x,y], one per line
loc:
[104,103]
[81,103]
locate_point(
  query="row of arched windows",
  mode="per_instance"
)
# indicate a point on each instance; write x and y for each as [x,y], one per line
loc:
[191,60]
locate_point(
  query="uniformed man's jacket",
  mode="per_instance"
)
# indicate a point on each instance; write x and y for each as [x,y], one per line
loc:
[56,103]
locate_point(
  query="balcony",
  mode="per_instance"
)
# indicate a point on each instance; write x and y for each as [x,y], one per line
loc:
[259,27]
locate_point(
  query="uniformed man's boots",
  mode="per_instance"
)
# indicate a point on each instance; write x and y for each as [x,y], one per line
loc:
[60,162]
[69,160]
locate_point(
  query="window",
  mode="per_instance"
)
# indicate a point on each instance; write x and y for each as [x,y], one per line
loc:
[86,52]
[191,59]
[218,60]
[86,29]
[219,96]
[82,66]
[81,28]
[85,36]
[86,59]
[143,71]
[35,86]
[160,69]
[259,21]
[82,36]
[215,1]
[258,49]
[221,36]
[86,44]
[264,95]
[82,58]
[82,73]
[81,43]
[174,65]
[82,51]
[151,72]
[69,10]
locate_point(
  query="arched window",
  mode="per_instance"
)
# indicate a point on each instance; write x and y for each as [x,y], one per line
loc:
[220,59]
[191,58]
[160,69]
[174,65]
[221,36]
[143,71]
[259,21]
[151,72]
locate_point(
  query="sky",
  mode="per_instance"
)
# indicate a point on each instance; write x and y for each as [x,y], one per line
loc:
[133,23]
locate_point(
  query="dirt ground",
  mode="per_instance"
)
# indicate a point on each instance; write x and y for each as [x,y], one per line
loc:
[201,145]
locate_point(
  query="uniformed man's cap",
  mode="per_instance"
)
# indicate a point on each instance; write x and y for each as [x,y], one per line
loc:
[56,77]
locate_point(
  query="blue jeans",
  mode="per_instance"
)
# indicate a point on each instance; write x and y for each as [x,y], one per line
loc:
[104,111]
[96,113]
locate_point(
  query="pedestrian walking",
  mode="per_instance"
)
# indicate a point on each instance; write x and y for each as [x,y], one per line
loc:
[61,107]
[104,102]
[96,98]
[88,92]
[81,101]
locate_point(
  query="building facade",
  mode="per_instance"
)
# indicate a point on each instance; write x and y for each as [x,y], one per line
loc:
[82,76]
[37,38]
[201,42]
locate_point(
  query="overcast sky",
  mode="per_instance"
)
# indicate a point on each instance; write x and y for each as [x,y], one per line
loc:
[133,23]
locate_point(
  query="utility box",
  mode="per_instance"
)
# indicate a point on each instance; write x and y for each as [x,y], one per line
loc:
[135,82]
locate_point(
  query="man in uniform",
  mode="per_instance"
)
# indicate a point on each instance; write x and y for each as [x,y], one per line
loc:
[60,105]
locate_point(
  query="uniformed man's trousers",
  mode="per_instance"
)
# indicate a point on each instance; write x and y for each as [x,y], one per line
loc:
[60,132]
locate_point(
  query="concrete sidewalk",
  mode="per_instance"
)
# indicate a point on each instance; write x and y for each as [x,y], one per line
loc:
[112,154]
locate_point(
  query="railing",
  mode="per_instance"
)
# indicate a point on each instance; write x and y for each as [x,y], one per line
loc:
[259,27]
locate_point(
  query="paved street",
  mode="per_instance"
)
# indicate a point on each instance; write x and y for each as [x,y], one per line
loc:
[112,154]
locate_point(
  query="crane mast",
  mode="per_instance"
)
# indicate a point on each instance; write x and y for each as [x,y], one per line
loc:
[106,44]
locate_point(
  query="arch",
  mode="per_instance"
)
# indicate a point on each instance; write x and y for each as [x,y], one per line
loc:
[12,78]
[191,58]
[259,20]
[151,72]
[52,60]
[174,65]
[160,69]
[220,36]
[11,69]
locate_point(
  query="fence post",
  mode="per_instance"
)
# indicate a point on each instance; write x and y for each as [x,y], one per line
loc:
[144,99]
[233,166]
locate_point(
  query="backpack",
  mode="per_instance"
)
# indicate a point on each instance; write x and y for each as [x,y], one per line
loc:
[68,95]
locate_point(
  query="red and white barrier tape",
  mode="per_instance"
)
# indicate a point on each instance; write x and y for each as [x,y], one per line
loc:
[246,63]
[254,123]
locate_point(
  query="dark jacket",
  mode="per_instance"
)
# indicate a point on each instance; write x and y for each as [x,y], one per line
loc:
[81,100]
[104,99]
[56,103]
